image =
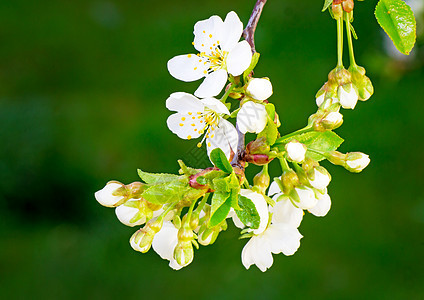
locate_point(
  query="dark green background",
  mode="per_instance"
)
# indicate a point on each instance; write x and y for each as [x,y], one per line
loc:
[83,86]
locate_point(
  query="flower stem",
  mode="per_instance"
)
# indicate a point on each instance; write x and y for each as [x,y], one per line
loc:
[349,40]
[227,93]
[340,42]
[284,165]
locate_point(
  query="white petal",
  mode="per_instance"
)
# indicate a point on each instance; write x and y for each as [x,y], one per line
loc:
[184,103]
[307,197]
[224,136]
[233,29]
[125,213]
[216,105]
[259,88]
[347,96]
[287,239]
[213,84]
[284,212]
[321,180]
[105,197]
[273,189]
[165,241]
[322,207]
[296,151]
[232,214]
[252,117]
[239,58]
[207,33]
[185,126]
[261,207]
[187,67]
[319,100]
[256,252]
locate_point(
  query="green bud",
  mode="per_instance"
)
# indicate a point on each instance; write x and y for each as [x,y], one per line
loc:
[348,5]
[337,158]
[142,239]
[337,11]
[258,146]
[289,180]
[184,253]
[362,82]
[261,180]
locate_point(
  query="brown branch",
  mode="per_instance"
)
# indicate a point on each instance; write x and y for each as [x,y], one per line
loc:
[249,36]
[249,31]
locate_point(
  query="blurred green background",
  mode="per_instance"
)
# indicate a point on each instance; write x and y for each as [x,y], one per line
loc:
[83,86]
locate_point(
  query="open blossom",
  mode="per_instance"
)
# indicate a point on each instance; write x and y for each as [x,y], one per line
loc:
[195,117]
[252,117]
[220,53]
[323,205]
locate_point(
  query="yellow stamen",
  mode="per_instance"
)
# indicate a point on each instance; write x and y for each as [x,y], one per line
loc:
[182,119]
[189,137]
[181,124]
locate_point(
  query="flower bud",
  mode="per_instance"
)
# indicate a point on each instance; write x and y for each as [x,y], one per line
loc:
[258,159]
[289,180]
[112,195]
[184,253]
[258,146]
[348,5]
[303,197]
[137,212]
[362,82]
[319,178]
[356,161]
[337,11]
[261,181]
[332,120]
[296,151]
[347,96]
[142,239]
[259,88]
[135,189]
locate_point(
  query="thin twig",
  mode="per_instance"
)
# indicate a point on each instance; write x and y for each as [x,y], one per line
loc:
[249,36]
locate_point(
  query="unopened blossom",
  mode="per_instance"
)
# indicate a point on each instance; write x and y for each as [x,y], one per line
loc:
[322,206]
[111,195]
[296,151]
[357,161]
[348,97]
[196,117]
[332,120]
[165,242]
[302,197]
[321,178]
[252,117]
[259,88]
[220,53]
[135,212]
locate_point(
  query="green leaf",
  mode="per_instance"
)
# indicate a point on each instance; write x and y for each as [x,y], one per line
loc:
[398,21]
[171,191]
[220,160]
[327,4]
[253,63]
[248,213]
[187,170]
[319,141]
[156,178]
[270,132]
[220,207]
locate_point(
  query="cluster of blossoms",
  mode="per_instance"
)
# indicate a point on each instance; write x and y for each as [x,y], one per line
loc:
[177,210]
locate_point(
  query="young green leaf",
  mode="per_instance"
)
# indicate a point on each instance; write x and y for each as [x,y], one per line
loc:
[248,214]
[220,160]
[398,21]
[220,207]
[152,178]
[327,4]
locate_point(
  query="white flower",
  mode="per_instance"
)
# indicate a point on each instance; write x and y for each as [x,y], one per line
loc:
[348,96]
[321,178]
[333,120]
[107,197]
[219,52]
[165,242]
[296,151]
[284,211]
[357,161]
[195,117]
[259,88]
[277,238]
[261,207]
[322,207]
[252,117]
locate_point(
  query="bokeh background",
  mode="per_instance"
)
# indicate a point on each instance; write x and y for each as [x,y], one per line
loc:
[82,101]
